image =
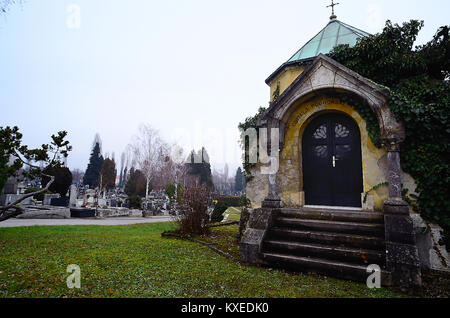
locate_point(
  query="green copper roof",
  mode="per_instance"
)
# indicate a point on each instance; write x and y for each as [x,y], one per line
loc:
[335,33]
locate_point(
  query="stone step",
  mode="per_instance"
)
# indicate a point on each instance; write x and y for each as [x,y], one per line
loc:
[333,215]
[328,267]
[374,229]
[328,238]
[354,255]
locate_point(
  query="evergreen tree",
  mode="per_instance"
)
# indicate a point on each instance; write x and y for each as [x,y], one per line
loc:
[91,176]
[108,174]
[239,180]
[136,183]
[63,179]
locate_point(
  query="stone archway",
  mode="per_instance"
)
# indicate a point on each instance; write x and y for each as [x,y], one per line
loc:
[290,173]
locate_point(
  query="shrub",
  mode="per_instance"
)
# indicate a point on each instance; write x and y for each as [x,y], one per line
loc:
[230,200]
[243,201]
[135,202]
[219,209]
[136,183]
[170,191]
[193,213]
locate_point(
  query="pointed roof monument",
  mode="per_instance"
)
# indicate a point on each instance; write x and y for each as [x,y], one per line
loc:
[333,34]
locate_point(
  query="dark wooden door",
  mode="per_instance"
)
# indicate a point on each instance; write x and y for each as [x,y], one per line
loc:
[332,164]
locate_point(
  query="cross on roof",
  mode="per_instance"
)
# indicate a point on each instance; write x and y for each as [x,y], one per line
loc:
[332,5]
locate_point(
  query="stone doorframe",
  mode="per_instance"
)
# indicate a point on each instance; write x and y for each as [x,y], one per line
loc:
[326,74]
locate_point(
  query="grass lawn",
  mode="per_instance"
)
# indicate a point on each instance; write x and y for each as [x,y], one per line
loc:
[234,214]
[135,261]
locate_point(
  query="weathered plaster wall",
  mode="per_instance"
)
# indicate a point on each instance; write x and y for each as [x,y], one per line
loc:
[290,179]
[258,187]
[285,78]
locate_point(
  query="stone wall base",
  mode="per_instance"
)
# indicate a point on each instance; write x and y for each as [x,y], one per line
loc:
[259,222]
[432,251]
[402,256]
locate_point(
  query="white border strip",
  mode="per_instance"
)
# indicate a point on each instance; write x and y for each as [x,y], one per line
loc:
[326,207]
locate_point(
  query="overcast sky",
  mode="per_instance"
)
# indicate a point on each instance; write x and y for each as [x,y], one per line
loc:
[192,69]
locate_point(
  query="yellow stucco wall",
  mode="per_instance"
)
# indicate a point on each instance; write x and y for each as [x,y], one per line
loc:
[290,174]
[374,161]
[285,78]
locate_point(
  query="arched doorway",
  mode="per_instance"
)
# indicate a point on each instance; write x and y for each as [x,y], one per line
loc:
[332,162]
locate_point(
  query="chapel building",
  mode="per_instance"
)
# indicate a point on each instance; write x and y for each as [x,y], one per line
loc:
[334,202]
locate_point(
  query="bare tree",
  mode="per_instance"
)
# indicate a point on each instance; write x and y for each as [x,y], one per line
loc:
[147,151]
[179,160]
[122,167]
[165,167]
[5,5]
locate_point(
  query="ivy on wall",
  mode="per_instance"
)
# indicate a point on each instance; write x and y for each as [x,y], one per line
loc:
[250,122]
[418,79]
[362,107]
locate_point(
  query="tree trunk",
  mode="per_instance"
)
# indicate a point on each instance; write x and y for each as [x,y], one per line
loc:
[146,187]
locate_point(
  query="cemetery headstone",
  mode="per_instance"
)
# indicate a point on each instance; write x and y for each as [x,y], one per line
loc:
[113,203]
[48,198]
[73,196]
[101,202]
[10,186]
[62,201]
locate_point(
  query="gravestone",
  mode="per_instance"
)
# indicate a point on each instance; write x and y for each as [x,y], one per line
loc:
[48,198]
[113,203]
[73,196]
[10,186]
[62,202]
[101,202]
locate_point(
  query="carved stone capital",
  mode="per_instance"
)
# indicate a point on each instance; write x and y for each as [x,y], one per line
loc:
[392,145]
[396,206]
[392,138]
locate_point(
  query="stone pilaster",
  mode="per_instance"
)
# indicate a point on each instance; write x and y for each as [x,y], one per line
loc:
[273,200]
[402,257]
[395,204]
